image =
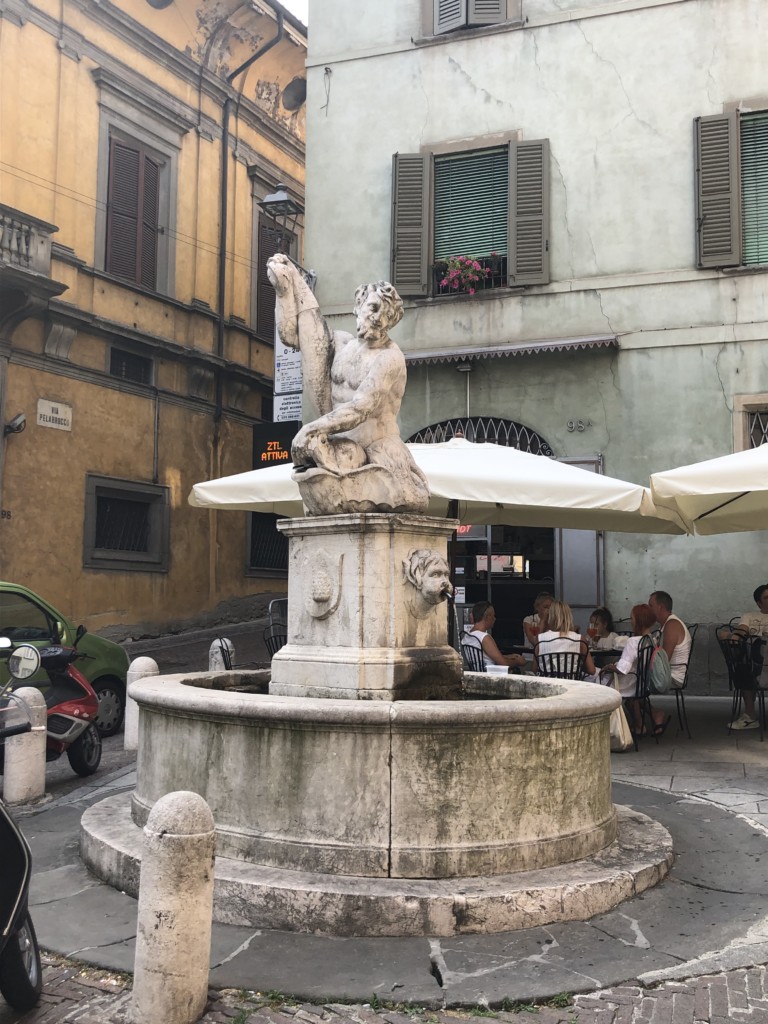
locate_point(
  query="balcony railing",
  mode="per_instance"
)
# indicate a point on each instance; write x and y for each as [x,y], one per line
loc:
[25,242]
[492,275]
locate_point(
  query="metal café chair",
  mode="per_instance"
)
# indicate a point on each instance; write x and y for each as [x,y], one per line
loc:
[275,637]
[561,664]
[472,654]
[682,716]
[743,659]
[645,651]
[277,611]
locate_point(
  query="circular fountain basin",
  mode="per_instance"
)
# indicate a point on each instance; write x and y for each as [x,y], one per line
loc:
[408,789]
[352,817]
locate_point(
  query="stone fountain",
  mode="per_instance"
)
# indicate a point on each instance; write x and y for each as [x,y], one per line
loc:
[364,786]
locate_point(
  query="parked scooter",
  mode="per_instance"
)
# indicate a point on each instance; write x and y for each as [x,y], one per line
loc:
[72,710]
[21,972]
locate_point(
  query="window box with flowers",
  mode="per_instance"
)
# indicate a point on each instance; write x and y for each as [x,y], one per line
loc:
[466,275]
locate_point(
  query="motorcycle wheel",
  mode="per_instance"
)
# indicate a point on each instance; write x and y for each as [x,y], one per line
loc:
[21,972]
[85,753]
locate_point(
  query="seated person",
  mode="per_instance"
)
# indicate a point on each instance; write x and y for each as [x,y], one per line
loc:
[754,624]
[675,638]
[602,634]
[643,619]
[483,618]
[532,624]
[560,635]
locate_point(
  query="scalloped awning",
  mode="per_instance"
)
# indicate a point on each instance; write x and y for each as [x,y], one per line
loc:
[518,348]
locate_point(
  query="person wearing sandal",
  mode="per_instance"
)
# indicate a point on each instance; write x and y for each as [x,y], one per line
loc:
[642,619]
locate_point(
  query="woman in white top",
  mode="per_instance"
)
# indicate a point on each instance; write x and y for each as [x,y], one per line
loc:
[643,619]
[560,635]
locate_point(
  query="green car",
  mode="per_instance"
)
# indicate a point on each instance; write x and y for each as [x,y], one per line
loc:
[27,618]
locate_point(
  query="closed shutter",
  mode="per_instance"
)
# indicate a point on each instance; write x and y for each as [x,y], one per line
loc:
[753,130]
[718,213]
[269,238]
[471,203]
[486,12]
[449,14]
[133,212]
[150,203]
[528,261]
[123,210]
[410,223]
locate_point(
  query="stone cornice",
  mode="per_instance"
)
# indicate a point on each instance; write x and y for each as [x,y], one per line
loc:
[183,66]
[113,331]
[146,98]
[62,368]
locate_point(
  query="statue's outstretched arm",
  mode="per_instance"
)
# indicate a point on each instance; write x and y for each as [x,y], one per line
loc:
[300,325]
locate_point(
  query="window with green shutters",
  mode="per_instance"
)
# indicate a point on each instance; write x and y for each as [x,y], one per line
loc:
[754,187]
[487,207]
[732,189]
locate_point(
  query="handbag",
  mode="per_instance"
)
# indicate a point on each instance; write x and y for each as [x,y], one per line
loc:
[621,735]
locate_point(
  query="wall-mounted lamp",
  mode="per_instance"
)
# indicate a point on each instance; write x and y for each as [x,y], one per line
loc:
[284,211]
[16,425]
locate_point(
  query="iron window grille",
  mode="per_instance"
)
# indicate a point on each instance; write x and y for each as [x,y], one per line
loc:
[268,547]
[485,430]
[758,427]
[126,525]
[129,366]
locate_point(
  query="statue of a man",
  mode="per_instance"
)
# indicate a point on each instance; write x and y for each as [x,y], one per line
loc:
[350,459]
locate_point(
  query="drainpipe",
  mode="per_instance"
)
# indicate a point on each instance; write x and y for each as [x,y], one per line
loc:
[223,212]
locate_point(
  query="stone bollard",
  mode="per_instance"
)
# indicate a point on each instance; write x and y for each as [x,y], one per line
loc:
[138,668]
[24,777]
[173,940]
[221,655]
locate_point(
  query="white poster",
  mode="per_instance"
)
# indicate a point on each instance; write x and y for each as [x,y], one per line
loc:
[287,407]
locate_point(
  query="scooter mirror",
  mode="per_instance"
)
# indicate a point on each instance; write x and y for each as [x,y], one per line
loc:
[24,662]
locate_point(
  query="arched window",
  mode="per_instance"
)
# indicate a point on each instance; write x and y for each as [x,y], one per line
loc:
[482,430]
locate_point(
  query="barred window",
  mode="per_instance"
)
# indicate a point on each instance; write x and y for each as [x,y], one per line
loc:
[758,427]
[126,525]
[130,366]
[268,547]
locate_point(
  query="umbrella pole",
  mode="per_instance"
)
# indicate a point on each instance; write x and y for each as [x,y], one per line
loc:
[453,513]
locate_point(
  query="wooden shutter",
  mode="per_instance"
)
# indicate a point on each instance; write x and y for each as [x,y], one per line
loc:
[410,223]
[449,14]
[718,206]
[528,258]
[150,206]
[269,238]
[486,12]
[123,210]
[133,211]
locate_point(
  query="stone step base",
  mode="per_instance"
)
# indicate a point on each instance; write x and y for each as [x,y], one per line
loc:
[268,897]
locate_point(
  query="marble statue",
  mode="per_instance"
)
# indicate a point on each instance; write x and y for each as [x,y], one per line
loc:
[351,458]
[430,577]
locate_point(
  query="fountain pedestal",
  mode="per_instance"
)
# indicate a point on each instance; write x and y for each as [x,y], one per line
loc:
[366,618]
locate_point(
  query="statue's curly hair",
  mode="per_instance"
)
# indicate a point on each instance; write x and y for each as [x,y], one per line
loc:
[391,301]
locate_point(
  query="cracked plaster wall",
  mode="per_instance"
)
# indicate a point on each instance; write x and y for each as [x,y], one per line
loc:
[616,96]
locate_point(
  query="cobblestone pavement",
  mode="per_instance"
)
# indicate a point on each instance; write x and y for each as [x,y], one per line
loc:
[75,994]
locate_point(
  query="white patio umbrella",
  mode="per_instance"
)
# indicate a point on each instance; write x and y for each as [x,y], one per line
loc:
[724,495]
[490,482]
